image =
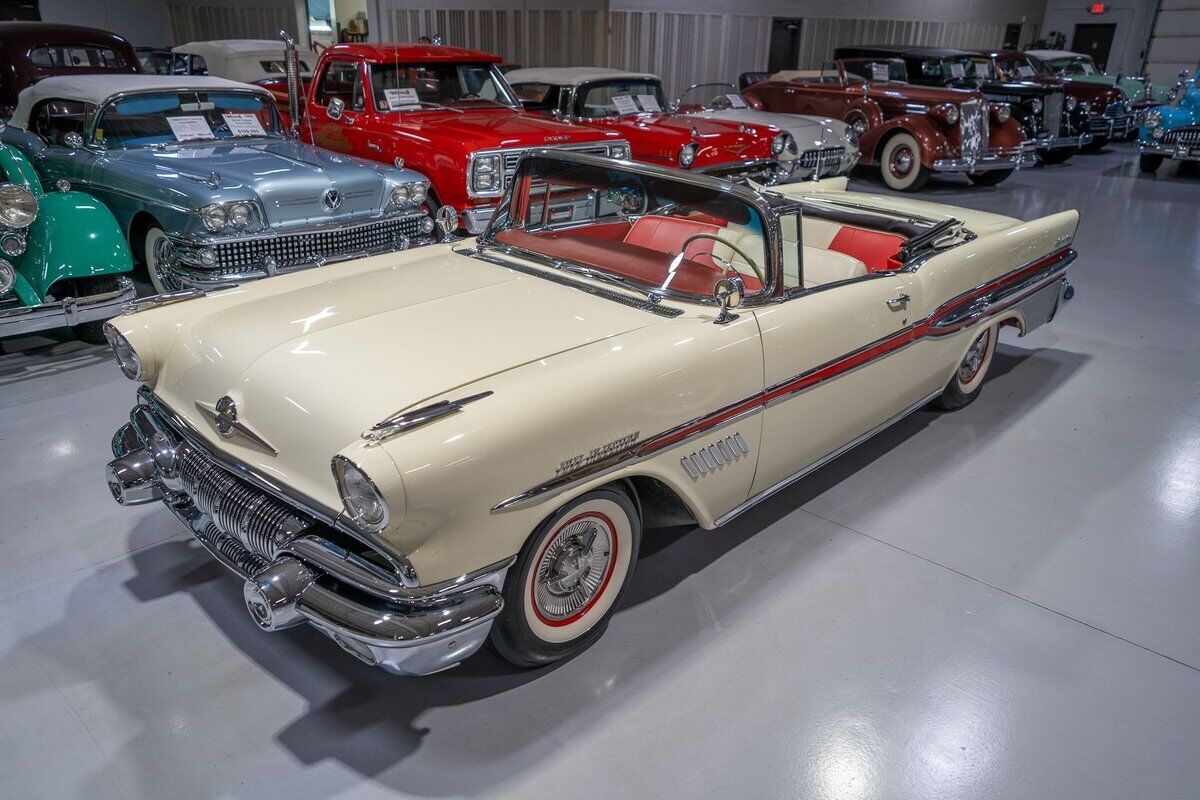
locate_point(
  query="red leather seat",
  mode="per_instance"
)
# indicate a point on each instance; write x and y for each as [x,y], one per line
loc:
[875,249]
[667,235]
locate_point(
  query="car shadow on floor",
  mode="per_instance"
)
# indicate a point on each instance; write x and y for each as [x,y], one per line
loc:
[26,358]
[375,724]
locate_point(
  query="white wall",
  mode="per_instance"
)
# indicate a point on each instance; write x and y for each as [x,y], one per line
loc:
[142,22]
[1132,18]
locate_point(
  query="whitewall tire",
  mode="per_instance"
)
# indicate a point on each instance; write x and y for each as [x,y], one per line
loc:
[159,257]
[566,583]
[900,164]
[967,381]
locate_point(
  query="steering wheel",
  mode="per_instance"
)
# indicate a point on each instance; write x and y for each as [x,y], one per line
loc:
[753,264]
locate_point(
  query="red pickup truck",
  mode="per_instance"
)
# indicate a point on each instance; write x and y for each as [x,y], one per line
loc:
[447,112]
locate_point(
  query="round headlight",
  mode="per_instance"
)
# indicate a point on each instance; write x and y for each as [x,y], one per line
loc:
[400,195]
[239,215]
[8,277]
[18,206]
[214,217]
[359,494]
[1003,112]
[687,155]
[952,114]
[1153,119]
[1071,103]
[12,244]
[127,357]
[778,143]
[1035,105]
[426,224]
[418,191]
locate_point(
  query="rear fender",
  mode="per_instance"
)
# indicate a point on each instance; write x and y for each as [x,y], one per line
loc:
[74,236]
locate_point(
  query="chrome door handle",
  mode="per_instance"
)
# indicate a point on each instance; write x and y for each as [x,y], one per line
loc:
[898,302]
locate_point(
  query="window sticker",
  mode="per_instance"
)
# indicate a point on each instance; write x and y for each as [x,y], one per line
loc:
[624,104]
[398,99]
[189,128]
[736,101]
[649,103]
[879,72]
[244,125]
[957,70]
[1025,71]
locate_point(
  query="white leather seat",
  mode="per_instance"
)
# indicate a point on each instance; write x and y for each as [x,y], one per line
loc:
[823,266]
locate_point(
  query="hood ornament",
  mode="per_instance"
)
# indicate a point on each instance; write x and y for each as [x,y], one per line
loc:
[407,420]
[224,415]
[214,180]
[332,199]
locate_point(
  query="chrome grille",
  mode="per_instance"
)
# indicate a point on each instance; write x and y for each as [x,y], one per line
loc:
[1187,137]
[291,250]
[972,129]
[1115,110]
[823,157]
[1052,111]
[257,520]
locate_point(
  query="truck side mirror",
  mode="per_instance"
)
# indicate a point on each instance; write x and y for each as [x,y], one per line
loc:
[336,107]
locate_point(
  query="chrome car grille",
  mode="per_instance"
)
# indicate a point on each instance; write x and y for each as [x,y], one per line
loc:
[973,129]
[823,157]
[290,250]
[1187,137]
[1052,112]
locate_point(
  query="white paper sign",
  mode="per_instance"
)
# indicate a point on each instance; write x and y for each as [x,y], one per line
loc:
[625,104]
[1025,71]
[244,125]
[188,128]
[398,99]
[735,101]
[957,70]
[649,103]
[879,72]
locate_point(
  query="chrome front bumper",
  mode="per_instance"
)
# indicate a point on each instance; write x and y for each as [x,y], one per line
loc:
[997,158]
[293,570]
[1175,152]
[67,312]
[796,170]
[1056,142]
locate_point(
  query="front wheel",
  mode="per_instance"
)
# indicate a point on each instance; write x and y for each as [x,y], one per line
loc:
[1149,162]
[160,257]
[967,381]
[565,584]
[900,164]
[990,178]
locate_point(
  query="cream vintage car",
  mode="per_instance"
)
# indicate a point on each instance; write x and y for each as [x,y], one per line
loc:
[419,451]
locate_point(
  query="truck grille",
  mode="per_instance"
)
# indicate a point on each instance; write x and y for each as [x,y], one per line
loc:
[823,158]
[1188,137]
[972,124]
[1052,112]
[291,250]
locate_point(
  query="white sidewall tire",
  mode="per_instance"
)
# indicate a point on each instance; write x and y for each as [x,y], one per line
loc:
[620,532]
[153,236]
[915,174]
[972,385]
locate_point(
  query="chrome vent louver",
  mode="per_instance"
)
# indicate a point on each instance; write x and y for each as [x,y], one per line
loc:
[714,456]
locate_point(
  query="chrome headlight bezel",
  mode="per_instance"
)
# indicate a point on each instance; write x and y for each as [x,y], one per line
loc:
[619,150]
[778,143]
[18,206]
[214,217]
[486,178]
[419,192]
[364,503]
[127,358]
[232,215]
[687,155]
[8,277]
[400,195]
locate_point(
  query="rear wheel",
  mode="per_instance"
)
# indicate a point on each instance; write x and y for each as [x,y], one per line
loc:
[1149,162]
[967,381]
[989,178]
[564,586]
[900,164]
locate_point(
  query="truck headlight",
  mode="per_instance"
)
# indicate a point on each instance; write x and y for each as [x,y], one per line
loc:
[8,277]
[1072,102]
[620,151]
[127,357]
[360,496]
[1035,105]
[485,173]
[18,206]
[687,155]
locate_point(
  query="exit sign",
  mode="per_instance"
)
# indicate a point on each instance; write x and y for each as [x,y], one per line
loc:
[1098,8]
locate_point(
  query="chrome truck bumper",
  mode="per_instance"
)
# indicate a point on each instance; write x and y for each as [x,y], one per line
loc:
[997,158]
[67,312]
[294,571]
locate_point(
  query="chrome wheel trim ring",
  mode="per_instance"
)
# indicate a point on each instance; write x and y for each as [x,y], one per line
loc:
[160,256]
[976,358]
[573,568]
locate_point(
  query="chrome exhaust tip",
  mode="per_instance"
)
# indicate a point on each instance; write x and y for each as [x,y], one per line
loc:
[132,479]
[271,594]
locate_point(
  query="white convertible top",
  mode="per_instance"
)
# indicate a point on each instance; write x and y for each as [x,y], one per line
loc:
[241,59]
[95,89]
[228,47]
[1048,54]
[573,76]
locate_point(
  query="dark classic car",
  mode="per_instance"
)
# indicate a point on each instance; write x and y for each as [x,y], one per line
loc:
[1109,112]
[909,131]
[30,51]
[1054,121]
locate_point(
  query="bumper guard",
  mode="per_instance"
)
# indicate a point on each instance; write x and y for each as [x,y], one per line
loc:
[68,311]
[998,158]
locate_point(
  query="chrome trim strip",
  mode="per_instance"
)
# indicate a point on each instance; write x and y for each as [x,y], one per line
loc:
[68,311]
[160,300]
[407,420]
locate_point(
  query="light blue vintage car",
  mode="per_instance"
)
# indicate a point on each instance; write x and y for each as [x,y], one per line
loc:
[1172,131]
[204,183]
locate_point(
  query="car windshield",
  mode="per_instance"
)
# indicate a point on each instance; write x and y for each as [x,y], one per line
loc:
[405,87]
[651,232]
[957,68]
[875,70]
[1076,65]
[713,96]
[618,98]
[1021,68]
[168,117]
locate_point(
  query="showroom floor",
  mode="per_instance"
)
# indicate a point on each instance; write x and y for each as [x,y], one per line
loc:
[997,602]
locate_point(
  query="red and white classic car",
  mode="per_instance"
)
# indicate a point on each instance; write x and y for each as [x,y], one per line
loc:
[444,111]
[633,105]
[909,131]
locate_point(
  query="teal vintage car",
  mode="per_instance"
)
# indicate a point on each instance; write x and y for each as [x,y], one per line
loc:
[1172,130]
[1141,92]
[63,260]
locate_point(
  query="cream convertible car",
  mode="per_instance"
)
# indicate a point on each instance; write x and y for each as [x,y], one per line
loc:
[420,451]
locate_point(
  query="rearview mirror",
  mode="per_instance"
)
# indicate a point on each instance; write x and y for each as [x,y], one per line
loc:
[336,107]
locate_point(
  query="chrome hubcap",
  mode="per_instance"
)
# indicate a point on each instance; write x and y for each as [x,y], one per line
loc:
[572,569]
[164,259]
[974,359]
[902,161]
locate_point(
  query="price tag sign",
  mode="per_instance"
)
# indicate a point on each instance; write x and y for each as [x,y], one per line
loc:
[398,99]
[1025,71]
[735,101]
[957,70]
[879,72]
[188,128]
[244,125]
[649,103]
[625,104]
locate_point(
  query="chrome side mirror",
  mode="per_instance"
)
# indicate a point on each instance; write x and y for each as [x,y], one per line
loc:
[336,107]
[73,140]
[729,293]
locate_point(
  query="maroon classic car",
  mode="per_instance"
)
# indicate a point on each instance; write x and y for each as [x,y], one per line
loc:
[1110,112]
[909,131]
[30,51]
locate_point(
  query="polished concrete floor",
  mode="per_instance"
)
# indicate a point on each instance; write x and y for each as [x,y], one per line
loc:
[1002,602]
